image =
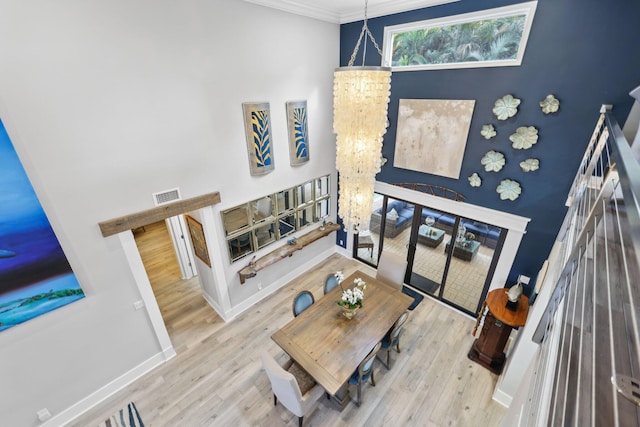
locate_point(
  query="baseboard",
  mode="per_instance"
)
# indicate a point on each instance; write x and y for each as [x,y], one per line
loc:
[82,406]
[214,304]
[502,398]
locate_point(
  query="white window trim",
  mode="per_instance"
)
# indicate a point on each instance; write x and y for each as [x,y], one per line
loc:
[528,9]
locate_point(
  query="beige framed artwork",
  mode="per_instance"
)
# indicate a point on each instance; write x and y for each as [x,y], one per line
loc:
[197,239]
[432,135]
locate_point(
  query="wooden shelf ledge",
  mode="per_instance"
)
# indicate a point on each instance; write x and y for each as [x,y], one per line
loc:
[285,251]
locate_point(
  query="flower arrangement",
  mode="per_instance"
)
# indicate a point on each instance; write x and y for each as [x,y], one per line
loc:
[352,298]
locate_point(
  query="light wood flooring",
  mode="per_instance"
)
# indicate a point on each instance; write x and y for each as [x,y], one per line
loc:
[216,379]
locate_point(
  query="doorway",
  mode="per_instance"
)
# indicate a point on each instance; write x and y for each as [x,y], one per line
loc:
[173,293]
[450,257]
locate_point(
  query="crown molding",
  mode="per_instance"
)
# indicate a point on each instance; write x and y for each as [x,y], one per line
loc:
[346,14]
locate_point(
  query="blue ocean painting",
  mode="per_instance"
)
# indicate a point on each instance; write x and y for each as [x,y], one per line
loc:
[35,276]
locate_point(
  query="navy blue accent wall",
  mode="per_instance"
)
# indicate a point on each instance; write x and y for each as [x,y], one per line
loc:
[585,52]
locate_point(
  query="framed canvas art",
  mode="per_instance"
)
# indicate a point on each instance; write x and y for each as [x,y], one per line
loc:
[35,276]
[257,124]
[197,238]
[432,135]
[298,132]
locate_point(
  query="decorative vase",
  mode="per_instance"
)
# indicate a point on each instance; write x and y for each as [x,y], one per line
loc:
[349,313]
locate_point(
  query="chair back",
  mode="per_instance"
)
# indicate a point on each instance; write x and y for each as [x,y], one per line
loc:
[392,269]
[397,327]
[302,301]
[283,384]
[330,283]
[366,366]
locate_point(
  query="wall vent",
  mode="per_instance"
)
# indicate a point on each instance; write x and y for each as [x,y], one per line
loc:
[166,196]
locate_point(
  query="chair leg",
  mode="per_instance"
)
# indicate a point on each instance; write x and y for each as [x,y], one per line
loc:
[275,400]
[300,421]
[373,381]
[359,393]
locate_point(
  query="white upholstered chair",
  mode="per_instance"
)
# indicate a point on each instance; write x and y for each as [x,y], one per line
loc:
[293,387]
[391,269]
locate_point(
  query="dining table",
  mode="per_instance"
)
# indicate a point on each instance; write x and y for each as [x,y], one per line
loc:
[330,347]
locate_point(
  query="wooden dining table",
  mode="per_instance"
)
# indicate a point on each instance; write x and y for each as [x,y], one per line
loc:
[328,345]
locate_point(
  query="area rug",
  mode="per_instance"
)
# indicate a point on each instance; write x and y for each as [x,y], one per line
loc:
[427,286]
[417,298]
[125,417]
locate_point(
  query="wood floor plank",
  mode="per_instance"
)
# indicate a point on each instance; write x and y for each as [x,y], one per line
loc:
[216,379]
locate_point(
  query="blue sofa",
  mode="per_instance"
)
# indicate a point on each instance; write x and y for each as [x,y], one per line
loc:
[485,234]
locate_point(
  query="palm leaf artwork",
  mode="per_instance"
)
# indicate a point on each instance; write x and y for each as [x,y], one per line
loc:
[300,132]
[261,137]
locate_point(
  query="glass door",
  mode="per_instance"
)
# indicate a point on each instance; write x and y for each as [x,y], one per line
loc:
[472,261]
[458,274]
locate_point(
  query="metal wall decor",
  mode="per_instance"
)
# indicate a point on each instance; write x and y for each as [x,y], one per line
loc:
[493,161]
[509,189]
[257,125]
[524,137]
[506,107]
[298,132]
[475,180]
[530,165]
[549,104]
[488,131]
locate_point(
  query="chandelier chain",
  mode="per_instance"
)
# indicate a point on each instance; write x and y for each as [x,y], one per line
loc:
[365,29]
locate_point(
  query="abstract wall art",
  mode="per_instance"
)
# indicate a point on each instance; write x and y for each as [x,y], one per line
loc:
[298,132]
[35,276]
[432,135]
[257,124]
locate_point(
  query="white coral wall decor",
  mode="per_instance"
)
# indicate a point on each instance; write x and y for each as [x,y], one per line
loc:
[493,161]
[475,180]
[506,107]
[530,165]
[509,189]
[524,137]
[488,131]
[550,104]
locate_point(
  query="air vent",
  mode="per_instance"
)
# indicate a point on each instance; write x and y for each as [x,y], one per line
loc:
[166,196]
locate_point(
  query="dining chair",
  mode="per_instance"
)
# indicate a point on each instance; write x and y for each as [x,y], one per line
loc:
[391,269]
[364,372]
[330,282]
[292,386]
[302,301]
[392,338]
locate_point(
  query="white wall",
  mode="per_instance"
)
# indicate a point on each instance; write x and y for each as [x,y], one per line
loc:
[108,102]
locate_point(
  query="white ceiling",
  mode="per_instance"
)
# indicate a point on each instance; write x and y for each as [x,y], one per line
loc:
[343,11]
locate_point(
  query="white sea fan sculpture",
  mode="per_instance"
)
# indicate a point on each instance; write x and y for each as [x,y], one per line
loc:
[506,107]
[493,161]
[530,165]
[524,137]
[488,131]
[475,180]
[509,189]
[550,104]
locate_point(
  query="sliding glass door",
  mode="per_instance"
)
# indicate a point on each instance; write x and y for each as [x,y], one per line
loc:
[449,257]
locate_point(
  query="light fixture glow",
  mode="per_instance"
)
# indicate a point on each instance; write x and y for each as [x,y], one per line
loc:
[360,100]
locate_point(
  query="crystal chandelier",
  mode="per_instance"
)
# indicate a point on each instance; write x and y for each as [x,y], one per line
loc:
[360,99]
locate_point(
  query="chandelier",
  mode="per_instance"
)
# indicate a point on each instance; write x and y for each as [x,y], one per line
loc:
[360,100]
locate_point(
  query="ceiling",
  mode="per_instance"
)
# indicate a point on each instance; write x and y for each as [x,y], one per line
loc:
[343,11]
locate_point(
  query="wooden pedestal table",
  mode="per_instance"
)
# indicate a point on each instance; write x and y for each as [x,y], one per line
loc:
[488,349]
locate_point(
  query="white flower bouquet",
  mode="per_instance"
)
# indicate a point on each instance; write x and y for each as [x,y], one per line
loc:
[352,298]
